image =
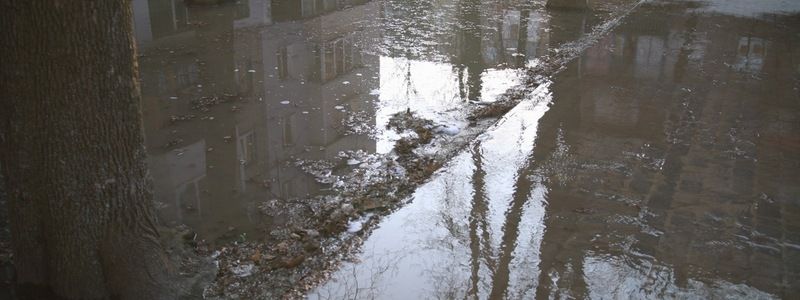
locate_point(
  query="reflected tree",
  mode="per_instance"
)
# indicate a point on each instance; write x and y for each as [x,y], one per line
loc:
[522,40]
[469,50]
[522,192]
[563,242]
[73,159]
[479,244]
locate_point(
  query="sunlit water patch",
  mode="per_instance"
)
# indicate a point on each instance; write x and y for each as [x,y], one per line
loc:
[466,231]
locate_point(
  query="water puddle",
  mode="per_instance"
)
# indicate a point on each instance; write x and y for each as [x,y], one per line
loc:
[252,103]
[654,160]
[662,163]
[235,94]
[455,219]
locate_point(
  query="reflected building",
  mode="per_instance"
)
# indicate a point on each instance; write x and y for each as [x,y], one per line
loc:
[660,168]
[468,233]
[235,94]
[669,174]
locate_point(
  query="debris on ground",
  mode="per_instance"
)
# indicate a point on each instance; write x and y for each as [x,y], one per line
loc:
[358,123]
[320,231]
[205,103]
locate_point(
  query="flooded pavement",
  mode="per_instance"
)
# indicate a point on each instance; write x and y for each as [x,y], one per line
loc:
[236,95]
[252,107]
[277,129]
[662,163]
[416,149]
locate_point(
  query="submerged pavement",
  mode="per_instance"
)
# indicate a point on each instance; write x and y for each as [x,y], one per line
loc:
[237,95]
[662,163]
[267,121]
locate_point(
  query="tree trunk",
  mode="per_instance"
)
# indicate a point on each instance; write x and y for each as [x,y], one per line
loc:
[72,154]
[568,4]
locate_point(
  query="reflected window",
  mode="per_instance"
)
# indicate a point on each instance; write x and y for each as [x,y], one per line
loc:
[750,54]
[288,136]
[186,173]
[247,147]
[315,7]
[283,65]
[649,57]
[511,25]
[338,48]
[338,56]
[162,83]
[168,18]
[242,9]
[348,56]
[181,16]
[245,80]
[328,66]
[188,199]
[187,75]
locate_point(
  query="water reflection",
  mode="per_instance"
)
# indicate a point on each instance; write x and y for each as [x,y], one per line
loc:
[235,94]
[441,57]
[445,244]
[664,166]
[233,98]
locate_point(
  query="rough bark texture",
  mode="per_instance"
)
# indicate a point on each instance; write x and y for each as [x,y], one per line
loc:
[72,152]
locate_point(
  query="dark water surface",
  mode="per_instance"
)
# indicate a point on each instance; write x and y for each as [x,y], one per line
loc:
[236,94]
[663,163]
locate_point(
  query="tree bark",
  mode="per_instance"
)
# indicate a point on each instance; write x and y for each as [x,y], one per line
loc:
[72,155]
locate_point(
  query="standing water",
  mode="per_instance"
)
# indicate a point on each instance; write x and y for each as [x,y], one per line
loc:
[238,95]
[662,163]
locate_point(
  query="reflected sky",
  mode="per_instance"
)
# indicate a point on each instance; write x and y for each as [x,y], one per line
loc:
[662,163]
[235,94]
[423,250]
